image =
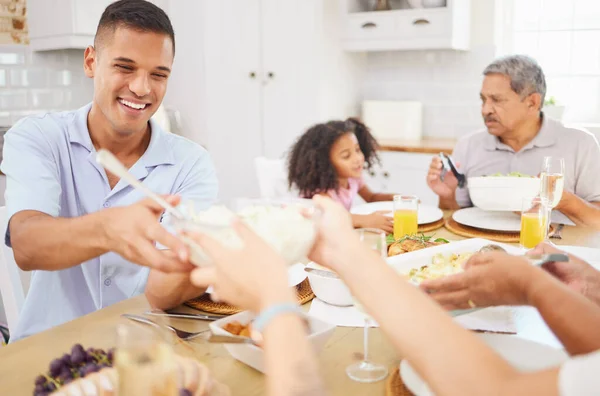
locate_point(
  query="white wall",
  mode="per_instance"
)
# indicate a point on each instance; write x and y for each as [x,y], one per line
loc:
[447,82]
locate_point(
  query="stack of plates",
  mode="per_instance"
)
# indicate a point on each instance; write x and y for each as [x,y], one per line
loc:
[428,214]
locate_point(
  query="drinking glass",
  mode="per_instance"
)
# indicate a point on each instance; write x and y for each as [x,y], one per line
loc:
[145,362]
[534,222]
[366,370]
[552,180]
[406,209]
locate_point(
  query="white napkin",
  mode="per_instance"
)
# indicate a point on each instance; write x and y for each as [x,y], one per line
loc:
[339,316]
[493,319]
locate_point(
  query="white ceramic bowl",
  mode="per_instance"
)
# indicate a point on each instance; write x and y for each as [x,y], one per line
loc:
[415,3]
[252,355]
[434,3]
[502,193]
[287,230]
[330,290]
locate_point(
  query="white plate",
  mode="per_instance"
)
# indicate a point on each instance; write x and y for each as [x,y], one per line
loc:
[403,263]
[523,354]
[427,213]
[296,275]
[487,220]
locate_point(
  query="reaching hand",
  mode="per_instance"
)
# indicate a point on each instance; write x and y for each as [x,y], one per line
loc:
[576,273]
[252,277]
[132,231]
[489,279]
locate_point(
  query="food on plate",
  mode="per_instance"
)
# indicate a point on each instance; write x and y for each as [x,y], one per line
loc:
[510,174]
[238,329]
[441,265]
[411,243]
[284,227]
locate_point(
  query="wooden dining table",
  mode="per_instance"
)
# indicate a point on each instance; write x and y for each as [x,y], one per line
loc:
[22,361]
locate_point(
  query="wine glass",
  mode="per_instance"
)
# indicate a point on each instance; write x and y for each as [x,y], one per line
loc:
[552,180]
[366,370]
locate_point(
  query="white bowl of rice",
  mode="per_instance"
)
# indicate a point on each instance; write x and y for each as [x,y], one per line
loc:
[288,226]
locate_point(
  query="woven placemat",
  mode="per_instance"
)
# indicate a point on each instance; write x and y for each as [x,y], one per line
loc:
[472,232]
[431,226]
[205,304]
[394,385]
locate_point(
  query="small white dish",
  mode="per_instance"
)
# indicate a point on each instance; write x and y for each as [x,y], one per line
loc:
[488,220]
[333,291]
[427,213]
[253,355]
[524,355]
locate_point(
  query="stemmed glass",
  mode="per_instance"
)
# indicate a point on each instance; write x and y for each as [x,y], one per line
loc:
[552,181]
[366,370]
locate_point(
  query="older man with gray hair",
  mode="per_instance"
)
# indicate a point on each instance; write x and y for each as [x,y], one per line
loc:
[517,138]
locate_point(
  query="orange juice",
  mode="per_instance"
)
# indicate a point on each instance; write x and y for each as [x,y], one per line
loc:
[533,229]
[405,223]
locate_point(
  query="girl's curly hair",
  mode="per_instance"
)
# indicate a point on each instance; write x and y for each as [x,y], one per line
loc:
[309,167]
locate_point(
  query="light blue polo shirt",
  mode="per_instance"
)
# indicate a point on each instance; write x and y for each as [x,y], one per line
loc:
[50,166]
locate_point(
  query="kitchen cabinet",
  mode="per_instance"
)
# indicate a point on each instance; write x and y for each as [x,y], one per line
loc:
[250,76]
[402,173]
[405,29]
[66,24]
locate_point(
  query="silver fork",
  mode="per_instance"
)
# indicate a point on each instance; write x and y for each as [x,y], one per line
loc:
[182,334]
[557,234]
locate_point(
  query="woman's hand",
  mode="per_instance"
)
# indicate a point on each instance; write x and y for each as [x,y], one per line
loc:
[253,277]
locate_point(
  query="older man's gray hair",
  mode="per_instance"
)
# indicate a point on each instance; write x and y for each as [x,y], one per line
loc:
[526,75]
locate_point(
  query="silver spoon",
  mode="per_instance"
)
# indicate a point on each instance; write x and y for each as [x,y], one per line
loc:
[114,166]
[327,274]
[537,259]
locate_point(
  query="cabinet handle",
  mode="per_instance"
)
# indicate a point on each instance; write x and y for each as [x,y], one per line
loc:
[271,75]
[386,174]
[421,21]
[369,25]
[371,173]
[252,75]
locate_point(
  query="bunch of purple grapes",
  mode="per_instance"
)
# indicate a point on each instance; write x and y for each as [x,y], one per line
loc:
[69,367]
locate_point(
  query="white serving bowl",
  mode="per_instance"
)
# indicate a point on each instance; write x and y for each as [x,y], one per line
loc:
[287,229]
[252,355]
[330,290]
[502,193]
[415,3]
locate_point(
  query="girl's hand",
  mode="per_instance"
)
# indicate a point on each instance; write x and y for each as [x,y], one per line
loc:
[377,220]
[253,277]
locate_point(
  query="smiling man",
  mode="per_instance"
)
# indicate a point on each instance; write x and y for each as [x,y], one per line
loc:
[517,138]
[89,237]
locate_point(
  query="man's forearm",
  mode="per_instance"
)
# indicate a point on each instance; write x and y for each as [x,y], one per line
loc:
[580,211]
[165,291]
[43,242]
[573,318]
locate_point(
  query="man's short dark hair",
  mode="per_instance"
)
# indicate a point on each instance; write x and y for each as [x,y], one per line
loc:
[140,15]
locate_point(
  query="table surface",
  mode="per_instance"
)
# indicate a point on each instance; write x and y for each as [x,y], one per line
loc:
[21,362]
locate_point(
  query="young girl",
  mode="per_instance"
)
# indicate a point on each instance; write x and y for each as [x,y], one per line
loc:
[329,160]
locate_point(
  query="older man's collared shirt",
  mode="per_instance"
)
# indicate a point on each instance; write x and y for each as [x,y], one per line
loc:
[481,154]
[49,161]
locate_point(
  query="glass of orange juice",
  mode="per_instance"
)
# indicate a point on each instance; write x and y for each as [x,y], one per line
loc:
[406,208]
[534,221]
